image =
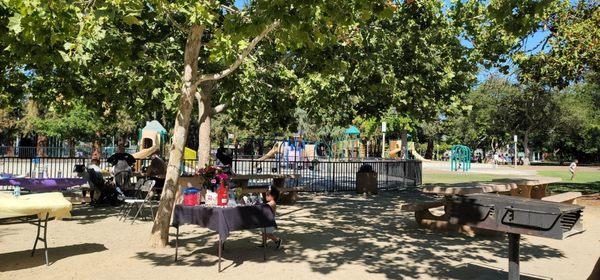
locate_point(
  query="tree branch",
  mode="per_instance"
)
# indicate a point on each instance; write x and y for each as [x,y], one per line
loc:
[241,57]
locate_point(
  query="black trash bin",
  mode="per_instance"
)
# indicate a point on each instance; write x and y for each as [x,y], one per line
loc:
[366,180]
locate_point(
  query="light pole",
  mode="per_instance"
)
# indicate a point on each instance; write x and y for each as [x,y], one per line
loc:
[383,130]
[515,139]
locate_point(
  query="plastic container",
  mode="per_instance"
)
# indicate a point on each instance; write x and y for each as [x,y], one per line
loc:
[190,196]
[222,195]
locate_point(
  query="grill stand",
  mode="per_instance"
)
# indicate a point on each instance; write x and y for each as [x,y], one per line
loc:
[513,256]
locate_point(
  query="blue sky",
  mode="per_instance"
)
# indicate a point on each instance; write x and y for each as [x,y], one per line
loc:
[531,43]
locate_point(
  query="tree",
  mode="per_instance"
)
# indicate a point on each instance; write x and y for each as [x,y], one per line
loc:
[577,134]
[75,122]
[573,53]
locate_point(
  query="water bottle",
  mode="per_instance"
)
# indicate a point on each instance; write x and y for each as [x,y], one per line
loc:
[17,191]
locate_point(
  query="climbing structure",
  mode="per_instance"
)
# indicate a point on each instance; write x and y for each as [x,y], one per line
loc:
[460,158]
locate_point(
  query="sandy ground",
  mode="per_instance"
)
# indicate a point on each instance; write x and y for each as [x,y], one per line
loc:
[325,237]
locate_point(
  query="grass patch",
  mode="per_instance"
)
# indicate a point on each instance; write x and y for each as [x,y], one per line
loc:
[585,181]
[454,178]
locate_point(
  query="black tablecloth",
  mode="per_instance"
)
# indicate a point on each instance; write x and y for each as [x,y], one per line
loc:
[225,219]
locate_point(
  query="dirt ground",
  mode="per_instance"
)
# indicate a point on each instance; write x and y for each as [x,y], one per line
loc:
[325,237]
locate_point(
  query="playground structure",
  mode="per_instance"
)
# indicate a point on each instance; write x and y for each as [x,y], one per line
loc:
[396,149]
[351,147]
[296,149]
[293,149]
[152,139]
[460,158]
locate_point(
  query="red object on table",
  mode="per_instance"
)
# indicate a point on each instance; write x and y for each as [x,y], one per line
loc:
[190,199]
[222,197]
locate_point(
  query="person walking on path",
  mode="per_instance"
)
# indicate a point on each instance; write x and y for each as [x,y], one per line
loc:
[572,168]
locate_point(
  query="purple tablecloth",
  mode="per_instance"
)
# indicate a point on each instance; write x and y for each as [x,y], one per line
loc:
[225,219]
[43,184]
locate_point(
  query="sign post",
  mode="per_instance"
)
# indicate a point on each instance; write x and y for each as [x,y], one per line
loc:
[515,159]
[383,131]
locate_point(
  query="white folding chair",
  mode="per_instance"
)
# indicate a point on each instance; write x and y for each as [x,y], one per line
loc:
[136,194]
[148,188]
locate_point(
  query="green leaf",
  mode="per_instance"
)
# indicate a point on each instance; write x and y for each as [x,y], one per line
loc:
[131,20]
[14,24]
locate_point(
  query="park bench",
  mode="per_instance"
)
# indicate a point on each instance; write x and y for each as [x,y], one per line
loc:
[568,197]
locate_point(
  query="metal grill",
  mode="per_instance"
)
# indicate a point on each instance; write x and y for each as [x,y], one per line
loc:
[516,216]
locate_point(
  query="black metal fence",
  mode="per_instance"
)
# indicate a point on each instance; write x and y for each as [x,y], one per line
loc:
[63,167]
[333,176]
[314,176]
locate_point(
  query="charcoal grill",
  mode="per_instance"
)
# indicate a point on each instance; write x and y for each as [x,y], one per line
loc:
[516,216]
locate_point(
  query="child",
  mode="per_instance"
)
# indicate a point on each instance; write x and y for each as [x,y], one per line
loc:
[572,169]
[272,196]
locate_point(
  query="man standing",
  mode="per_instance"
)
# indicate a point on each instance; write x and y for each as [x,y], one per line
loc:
[572,168]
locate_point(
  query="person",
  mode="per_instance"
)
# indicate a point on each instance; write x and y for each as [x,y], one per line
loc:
[94,165]
[122,173]
[157,171]
[572,168]
[272,195]
[496,159]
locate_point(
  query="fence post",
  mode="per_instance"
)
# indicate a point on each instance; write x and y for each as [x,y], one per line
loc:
[333,177]
[404,164]
[31,168]
[387,174]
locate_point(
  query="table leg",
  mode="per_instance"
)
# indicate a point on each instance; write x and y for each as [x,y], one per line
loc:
[513,256]
[220,249]
[264,244]
[176,242]
[45,226]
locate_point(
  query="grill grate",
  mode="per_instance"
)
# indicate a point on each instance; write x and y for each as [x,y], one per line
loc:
[568,220]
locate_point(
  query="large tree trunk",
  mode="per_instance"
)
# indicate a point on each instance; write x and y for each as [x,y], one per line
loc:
[526,148]
[10,150]
[97,146]
[160,229]
[42,142]
[71,144]
[204,119]
[403,138]
[429,151]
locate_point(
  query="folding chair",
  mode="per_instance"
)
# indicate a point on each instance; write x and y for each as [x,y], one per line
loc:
[137,193]
[148,188]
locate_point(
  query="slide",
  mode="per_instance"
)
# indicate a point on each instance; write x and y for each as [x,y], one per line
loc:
[272,152]
[146,153]
[396,147]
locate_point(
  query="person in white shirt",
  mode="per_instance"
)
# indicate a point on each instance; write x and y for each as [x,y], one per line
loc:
[572,168]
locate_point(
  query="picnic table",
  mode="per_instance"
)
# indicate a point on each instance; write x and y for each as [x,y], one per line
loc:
[223,220]
[43,205]
[287,194]
[530,188]
[43,184]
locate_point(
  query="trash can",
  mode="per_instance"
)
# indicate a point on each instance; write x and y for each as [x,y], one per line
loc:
[366,180]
